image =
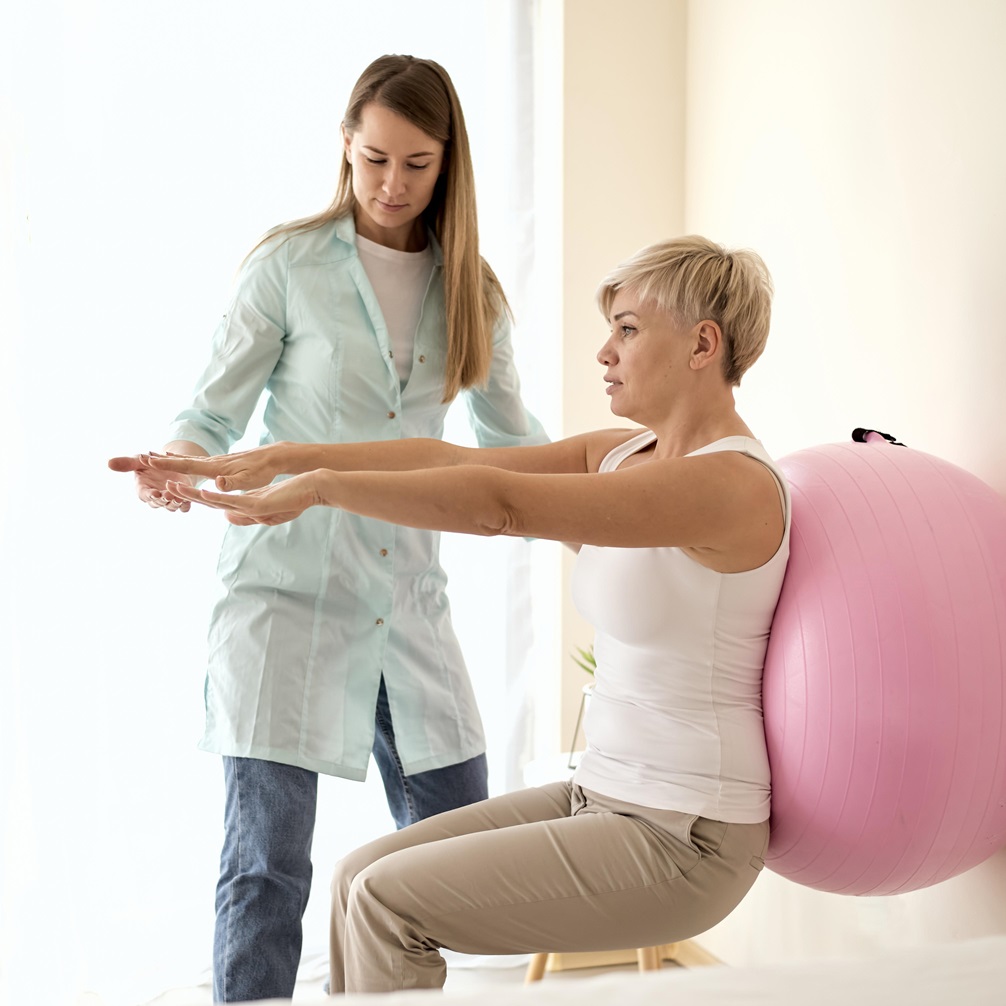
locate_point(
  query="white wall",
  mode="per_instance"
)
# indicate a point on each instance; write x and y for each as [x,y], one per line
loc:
[861,148]
[143,150]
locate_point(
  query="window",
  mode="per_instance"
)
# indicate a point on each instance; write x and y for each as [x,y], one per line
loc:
[145,151]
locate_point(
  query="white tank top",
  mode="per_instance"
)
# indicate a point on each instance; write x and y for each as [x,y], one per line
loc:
[399,280]
[675,720]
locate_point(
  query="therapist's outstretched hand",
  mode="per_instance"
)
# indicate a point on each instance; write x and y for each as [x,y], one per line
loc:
[242,470]
[151,484]
[274,504]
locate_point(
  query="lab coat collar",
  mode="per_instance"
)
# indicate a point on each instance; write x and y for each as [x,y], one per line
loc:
[345,230]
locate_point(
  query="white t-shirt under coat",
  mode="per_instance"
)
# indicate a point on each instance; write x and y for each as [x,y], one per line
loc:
[400,280]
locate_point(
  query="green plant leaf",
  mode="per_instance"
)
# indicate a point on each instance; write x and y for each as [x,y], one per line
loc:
[584,658]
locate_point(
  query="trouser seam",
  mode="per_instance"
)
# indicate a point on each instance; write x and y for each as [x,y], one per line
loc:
[235,763]
[569,897]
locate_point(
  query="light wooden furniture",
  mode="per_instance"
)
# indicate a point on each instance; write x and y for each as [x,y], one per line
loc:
[687,954]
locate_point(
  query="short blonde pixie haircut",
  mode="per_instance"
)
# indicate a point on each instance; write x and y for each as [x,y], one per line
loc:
[694,279]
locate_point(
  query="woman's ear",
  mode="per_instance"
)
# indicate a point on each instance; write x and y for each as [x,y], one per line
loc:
[707,345]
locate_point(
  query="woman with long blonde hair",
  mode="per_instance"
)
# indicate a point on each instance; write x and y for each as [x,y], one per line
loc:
[332,638]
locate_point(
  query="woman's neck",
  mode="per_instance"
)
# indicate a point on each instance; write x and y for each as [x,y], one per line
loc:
[686,430]
[411,237]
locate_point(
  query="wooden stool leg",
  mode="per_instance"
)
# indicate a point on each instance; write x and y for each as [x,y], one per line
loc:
[649,958]
[669,951]
[535,968]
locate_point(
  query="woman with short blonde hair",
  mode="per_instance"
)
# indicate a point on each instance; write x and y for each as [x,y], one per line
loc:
[683,526]
[695,278]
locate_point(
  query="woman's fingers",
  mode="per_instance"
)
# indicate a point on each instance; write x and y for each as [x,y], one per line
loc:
[171,505]
[184,465]
[151,487]
[240,519]
[221,501]
[227,473]
[166,501]
[185,491]
[257,507]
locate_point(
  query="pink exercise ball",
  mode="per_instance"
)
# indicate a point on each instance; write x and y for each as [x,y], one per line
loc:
[885,677]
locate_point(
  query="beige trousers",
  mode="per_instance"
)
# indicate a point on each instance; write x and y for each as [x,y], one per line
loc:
[556,868]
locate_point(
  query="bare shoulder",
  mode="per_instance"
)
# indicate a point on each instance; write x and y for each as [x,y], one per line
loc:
[730,471]
[600,443]
[734,501]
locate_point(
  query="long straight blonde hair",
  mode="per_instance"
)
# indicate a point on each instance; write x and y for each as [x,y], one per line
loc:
[422,92]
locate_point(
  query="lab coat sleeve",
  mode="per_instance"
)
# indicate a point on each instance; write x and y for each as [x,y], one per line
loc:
[245,348]
[496,412]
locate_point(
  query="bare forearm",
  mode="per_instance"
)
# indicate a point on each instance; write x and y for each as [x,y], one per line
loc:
[723,503]
[377,456]
[469,499]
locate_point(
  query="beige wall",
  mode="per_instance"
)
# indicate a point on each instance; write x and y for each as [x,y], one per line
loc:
[623,187]
[861,148]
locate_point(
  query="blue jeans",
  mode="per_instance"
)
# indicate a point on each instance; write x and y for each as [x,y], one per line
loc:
[265,866]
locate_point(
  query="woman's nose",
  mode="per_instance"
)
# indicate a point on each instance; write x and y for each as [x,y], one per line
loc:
[394,182]
[605,355]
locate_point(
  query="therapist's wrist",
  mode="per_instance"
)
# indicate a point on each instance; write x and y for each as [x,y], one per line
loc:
[293,458]
[325,484]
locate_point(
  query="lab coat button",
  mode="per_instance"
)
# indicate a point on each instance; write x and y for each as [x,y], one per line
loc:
[380,621]
[422,359]
[391,415]
[384,551]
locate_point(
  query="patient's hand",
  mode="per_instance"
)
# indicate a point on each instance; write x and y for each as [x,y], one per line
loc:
[249,469]
[151,484]
[275,504]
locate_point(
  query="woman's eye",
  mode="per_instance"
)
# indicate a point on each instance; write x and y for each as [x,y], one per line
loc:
[383,160]
[626,330]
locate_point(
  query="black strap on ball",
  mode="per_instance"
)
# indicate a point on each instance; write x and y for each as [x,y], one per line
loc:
[859,436]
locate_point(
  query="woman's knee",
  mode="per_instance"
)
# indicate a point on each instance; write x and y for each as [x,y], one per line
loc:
[344,873]
[371,894]
[353,864]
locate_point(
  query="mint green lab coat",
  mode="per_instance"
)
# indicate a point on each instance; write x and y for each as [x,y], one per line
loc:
[313,612]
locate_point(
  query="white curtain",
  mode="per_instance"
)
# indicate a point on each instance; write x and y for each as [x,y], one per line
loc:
[143,149]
